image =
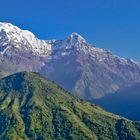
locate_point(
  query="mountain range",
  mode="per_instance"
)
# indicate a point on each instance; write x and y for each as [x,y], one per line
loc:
[34,108]
[90,73]
[79,67]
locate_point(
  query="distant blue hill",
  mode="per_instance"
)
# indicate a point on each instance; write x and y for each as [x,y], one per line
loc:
[125,102]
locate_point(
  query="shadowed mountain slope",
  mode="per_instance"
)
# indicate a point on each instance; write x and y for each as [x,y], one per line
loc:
[125,102]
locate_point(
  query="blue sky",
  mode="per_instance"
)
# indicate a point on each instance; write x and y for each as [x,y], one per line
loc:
[109,24]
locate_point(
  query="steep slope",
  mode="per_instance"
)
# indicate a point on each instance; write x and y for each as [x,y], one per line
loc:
[31,107]
[125,102]
[13,37]
[87,71]
[79,67]
[21,50]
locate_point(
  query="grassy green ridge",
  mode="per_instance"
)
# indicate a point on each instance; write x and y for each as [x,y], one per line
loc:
[34,108]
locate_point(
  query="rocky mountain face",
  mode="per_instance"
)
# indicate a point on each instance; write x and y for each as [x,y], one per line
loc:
[34,108]
[76,65]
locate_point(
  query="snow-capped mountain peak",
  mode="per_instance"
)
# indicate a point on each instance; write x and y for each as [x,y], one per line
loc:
[75,37]
[12,36]
[73,42]
[9,29]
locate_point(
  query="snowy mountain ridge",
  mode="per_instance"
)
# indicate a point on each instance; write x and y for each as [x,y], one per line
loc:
[9,32]
[13,36]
